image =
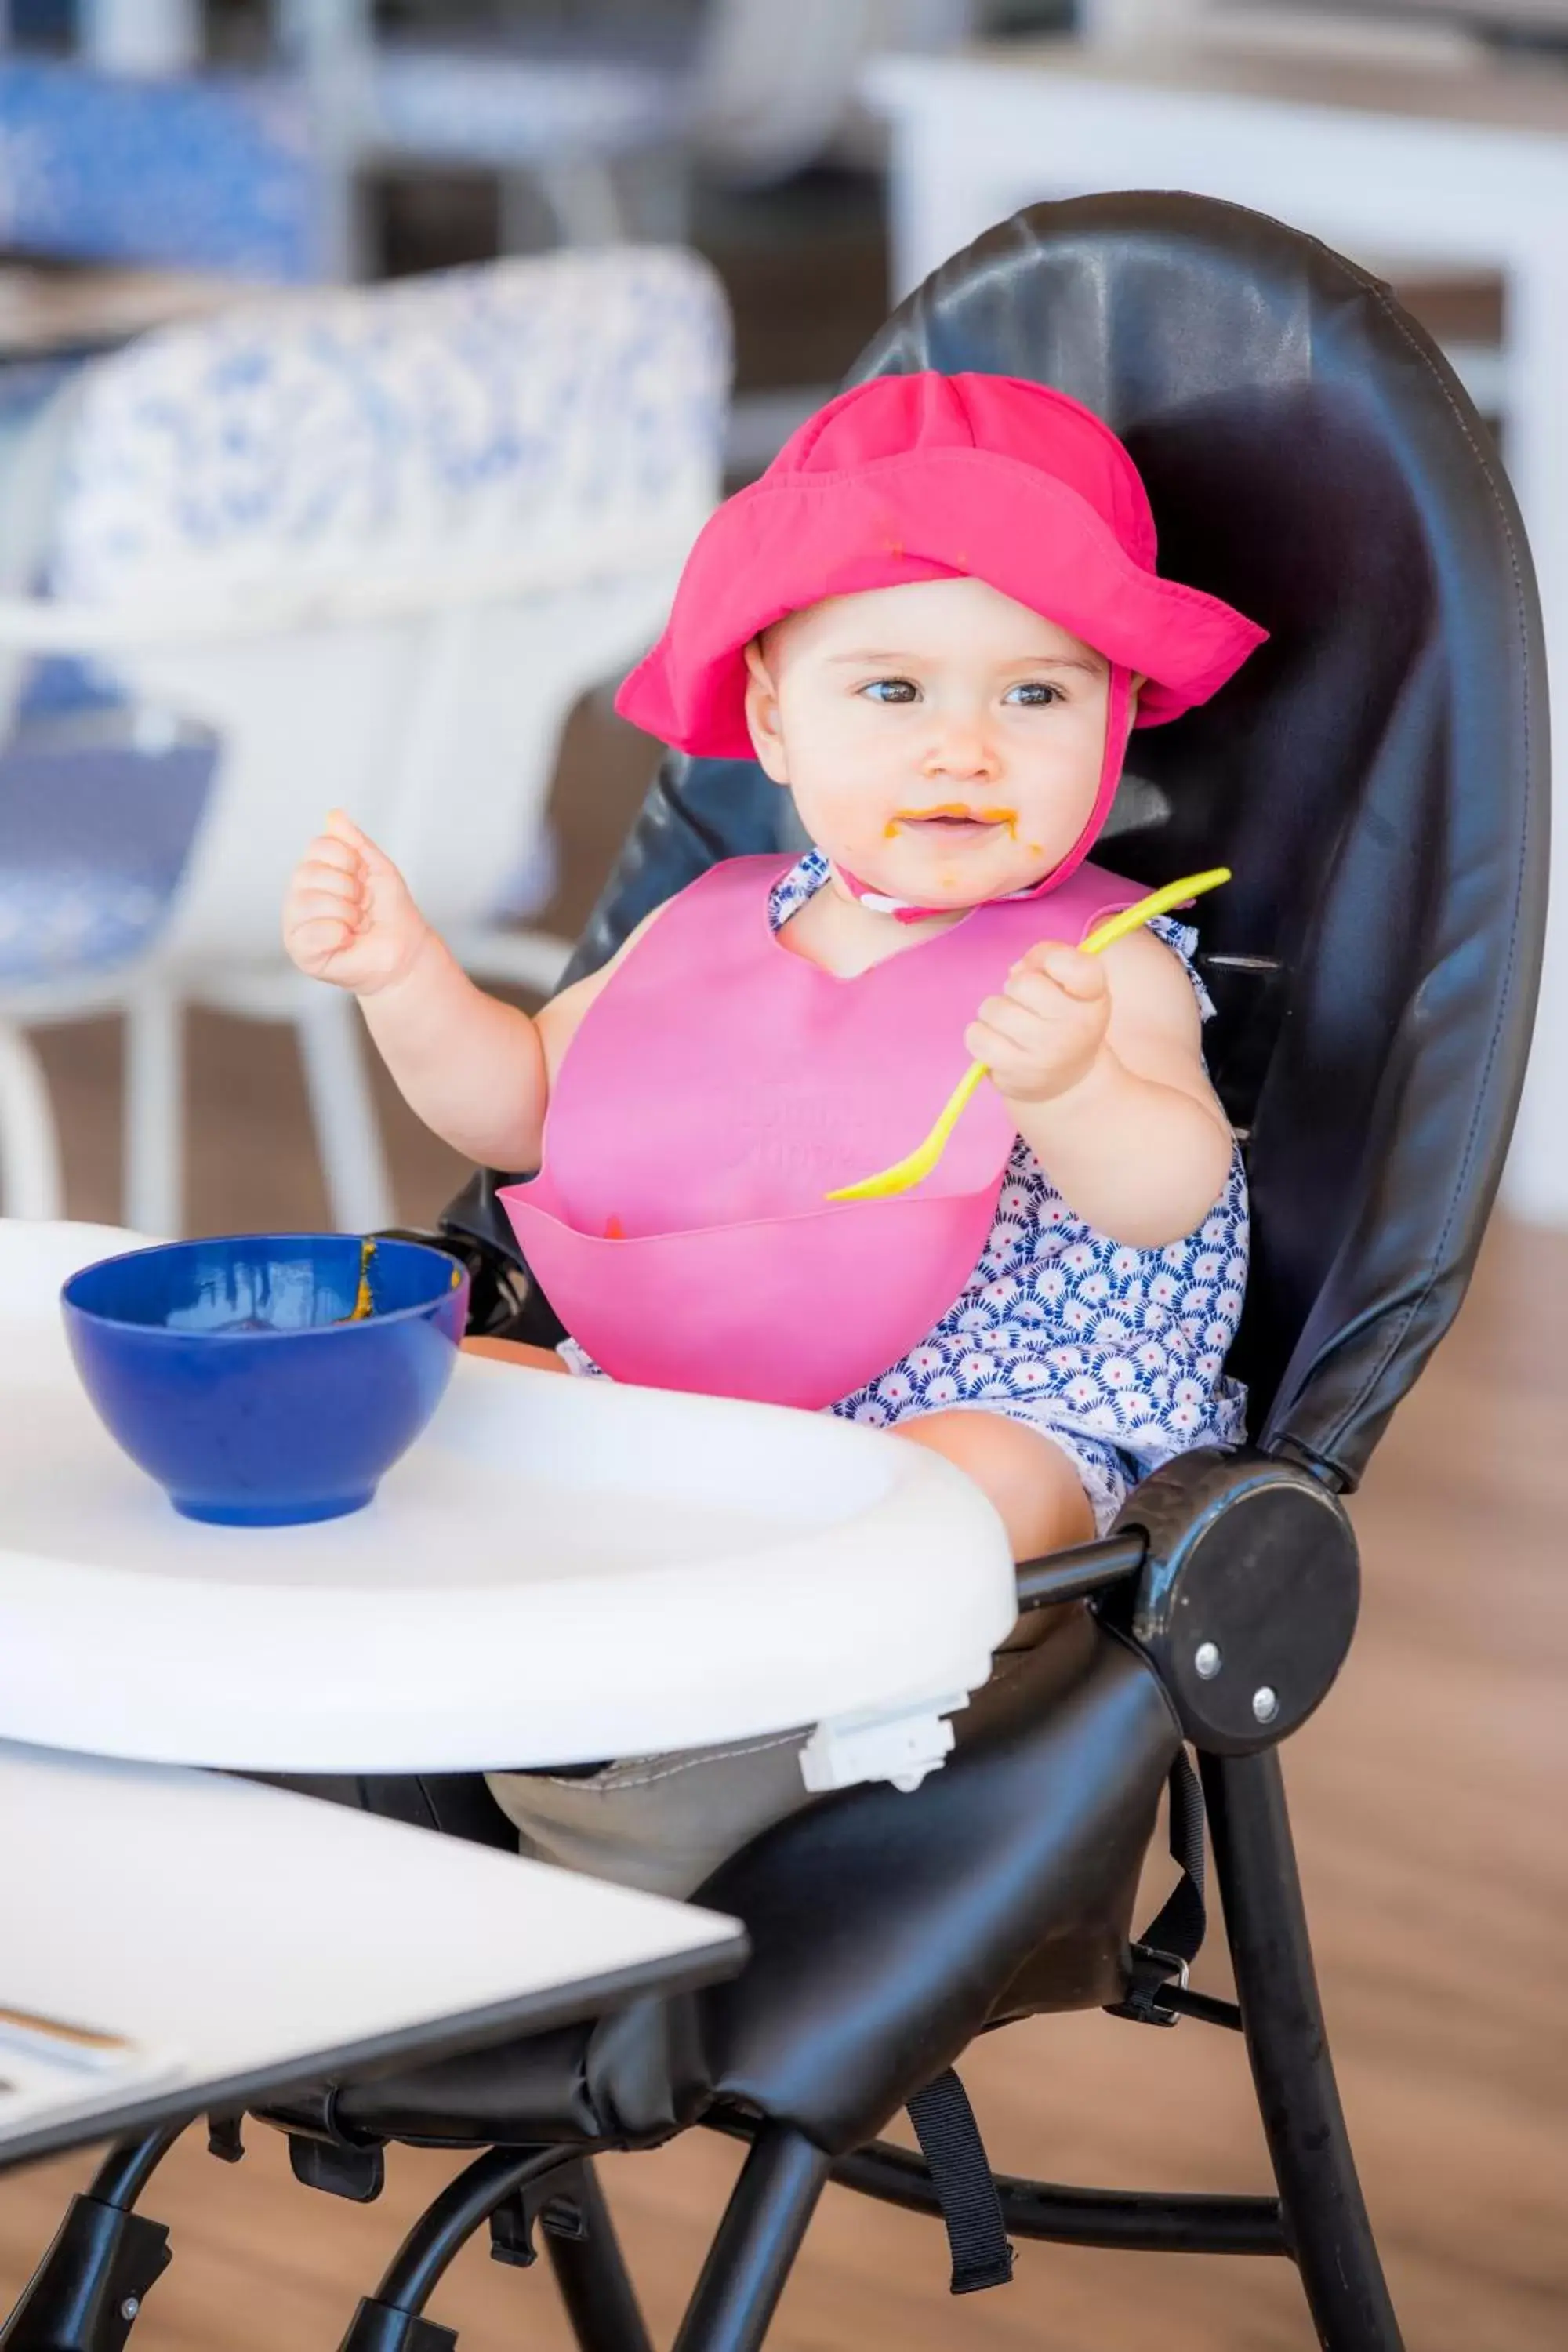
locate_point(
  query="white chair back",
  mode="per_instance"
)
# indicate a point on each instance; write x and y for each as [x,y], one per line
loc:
[404,528]
[775,86]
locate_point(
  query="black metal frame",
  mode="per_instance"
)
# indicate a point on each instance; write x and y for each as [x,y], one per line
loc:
[1163,1578]
[86,2293]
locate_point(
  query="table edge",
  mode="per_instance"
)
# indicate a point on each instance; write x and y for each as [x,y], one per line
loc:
[473,2029]
[1063,59]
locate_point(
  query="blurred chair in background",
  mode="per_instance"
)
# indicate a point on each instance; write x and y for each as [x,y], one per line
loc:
[564,112]
[135,154]
[216,173]
[369,547]
[750,91]
[30,1184]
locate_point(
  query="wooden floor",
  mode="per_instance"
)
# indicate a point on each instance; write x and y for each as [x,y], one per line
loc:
[1429,1804]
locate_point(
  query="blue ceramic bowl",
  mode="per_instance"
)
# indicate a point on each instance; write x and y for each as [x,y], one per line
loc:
[228,1370]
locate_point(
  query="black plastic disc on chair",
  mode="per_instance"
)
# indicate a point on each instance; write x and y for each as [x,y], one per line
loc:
[1377,778]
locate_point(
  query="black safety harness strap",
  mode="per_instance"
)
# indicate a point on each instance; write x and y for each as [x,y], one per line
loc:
[961,2174]
[1164,1952]
[944,2120]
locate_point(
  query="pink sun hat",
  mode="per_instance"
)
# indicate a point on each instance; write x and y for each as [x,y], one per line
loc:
[932,476]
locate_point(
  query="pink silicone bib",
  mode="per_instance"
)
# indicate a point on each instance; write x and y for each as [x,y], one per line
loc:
[717,1089]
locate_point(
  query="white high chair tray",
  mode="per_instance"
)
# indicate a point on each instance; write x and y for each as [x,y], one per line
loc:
[560,1571]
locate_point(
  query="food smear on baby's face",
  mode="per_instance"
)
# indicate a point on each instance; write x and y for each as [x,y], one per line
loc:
[952,817]
[614,1230]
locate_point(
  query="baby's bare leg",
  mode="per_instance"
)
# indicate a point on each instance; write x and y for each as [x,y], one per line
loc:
[1032,1482]
[516,1351]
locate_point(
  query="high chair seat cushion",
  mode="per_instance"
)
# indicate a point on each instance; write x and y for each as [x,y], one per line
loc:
[886,1929]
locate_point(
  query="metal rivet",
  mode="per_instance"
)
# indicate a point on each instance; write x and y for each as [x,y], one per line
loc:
[1207,1660]
[1266,1703]
[131,2306]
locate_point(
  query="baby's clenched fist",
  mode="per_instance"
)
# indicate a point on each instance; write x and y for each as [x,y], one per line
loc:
[348,917]
[1045,1031]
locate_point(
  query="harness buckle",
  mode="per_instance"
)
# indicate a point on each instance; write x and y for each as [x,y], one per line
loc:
[1151,1972]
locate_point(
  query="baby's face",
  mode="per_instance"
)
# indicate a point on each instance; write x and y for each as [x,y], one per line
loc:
[941,742]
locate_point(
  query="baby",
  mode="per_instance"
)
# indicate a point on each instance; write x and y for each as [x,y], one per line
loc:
[933,621]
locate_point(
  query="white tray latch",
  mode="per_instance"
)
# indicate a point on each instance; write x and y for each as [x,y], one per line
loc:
[901,1748]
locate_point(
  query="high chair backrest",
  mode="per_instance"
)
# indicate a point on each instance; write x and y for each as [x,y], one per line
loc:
[381,538]
[1376,776]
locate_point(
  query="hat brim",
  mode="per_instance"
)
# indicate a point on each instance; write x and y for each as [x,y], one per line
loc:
[791,541]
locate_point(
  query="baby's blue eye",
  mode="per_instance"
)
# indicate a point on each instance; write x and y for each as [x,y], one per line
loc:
[1034,693]
[891,689]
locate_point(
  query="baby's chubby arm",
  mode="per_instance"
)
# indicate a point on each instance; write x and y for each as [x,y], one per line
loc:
[1100,1060]
[475,1070]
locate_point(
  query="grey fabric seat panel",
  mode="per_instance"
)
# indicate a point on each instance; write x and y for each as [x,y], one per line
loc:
[885,1928]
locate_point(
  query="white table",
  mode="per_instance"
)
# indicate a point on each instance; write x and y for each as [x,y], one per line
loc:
[1395,164]
[242,1938]
[560,1571]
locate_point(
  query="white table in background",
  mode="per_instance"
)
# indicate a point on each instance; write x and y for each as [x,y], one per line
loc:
[561,1571]
[245,1939]
[1401,164]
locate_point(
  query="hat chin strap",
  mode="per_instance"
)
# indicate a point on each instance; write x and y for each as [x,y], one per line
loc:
[1118,728]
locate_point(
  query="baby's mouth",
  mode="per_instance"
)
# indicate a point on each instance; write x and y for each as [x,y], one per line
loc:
[953,821]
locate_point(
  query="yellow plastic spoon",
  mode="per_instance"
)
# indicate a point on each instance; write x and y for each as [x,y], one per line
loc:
[904,1174]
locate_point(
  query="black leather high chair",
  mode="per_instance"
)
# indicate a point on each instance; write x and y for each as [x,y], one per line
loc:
[1377,778]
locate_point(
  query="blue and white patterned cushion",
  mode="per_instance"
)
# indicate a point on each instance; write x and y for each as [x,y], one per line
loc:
[216,173]
[92,845]
[458,416]
[72,917]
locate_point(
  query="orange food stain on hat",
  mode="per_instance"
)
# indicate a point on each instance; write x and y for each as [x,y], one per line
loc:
[614,1230]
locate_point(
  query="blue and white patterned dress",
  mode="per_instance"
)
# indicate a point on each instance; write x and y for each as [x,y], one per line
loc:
[1116,1354]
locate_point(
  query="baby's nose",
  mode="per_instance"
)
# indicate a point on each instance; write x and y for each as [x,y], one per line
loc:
[962,751]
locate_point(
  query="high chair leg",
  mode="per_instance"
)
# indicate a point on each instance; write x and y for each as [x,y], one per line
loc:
[392,2320]
[87,2292]
[1324,2213]
[749,2262]
[592,2273]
